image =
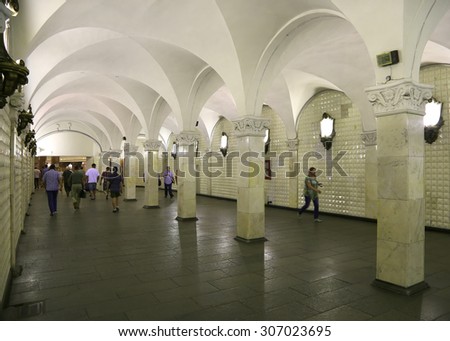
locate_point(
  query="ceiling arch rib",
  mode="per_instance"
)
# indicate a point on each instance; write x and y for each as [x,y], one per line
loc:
[137,64]
[160,111]
[49,53]
[78,103]
[207,84]
[290,91]
[315,50]
[92,85]
[89,122]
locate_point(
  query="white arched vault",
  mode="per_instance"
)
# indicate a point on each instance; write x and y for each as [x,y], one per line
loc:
[171,64]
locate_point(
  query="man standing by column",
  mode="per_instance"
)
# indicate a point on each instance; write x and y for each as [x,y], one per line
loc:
[92,175]
[169,178]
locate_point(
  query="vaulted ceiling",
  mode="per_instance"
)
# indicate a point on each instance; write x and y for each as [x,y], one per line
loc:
[114,68]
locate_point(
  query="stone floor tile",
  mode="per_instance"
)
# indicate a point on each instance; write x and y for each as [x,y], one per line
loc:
[145,265]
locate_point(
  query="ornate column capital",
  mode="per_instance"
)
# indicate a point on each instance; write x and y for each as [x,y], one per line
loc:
[187,138]
[152,145]
[17,101]
[251,126]
[369,138]
[399,97]
[292,145]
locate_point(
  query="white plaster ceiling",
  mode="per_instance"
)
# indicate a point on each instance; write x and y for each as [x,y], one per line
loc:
[119,68]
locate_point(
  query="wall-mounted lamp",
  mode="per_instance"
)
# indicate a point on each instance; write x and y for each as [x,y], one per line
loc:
[24,119]
[30,142]
[196,148]
[224,144]
[327,130]
[267,141]
[432,120]
[174,150]
[12,75]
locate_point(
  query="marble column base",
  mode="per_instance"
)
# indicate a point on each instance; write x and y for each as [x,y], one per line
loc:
[129,189]
[414,289]
[250,241]
[186,219]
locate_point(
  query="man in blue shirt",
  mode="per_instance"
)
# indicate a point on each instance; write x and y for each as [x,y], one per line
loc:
[169,178]
[52,183]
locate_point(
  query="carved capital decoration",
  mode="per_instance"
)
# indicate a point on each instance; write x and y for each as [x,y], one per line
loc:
[133,148]
[17,101]
[292,145]
[369,138]
[399,97]
[114,153]
[152,145]
[187,138]
[251,126]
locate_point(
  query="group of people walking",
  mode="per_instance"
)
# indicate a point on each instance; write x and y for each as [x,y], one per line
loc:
[77,182]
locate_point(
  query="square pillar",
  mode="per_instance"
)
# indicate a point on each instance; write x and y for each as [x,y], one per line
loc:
[399,108]
[131,168]
[371,171]
[186,176]
[250,133]
[151,197]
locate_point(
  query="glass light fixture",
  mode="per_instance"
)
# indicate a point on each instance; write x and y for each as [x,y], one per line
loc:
[224,144]
[174,150]
[327,131]
[267,141]
[196,148]
[432,120]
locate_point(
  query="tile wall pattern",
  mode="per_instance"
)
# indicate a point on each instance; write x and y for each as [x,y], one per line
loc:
[277,188]
[5,236]
[344,190]
[203,183]
[437,155]
[224,186]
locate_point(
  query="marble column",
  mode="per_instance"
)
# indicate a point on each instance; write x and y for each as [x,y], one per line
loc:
[399,108]
[186,176]
[250,132]
[151,198]
[369,139]
[131,168]
[292,176]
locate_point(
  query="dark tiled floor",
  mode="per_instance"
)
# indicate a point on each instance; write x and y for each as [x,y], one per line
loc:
[142,264]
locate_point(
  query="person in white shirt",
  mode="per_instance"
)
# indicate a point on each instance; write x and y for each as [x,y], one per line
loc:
[92,176]
[37,177]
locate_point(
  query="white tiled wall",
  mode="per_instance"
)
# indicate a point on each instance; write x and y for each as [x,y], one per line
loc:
[5,239]
[11,226]
[342,192]
[224,185]
[204,184]
[277,188]
[437,155]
